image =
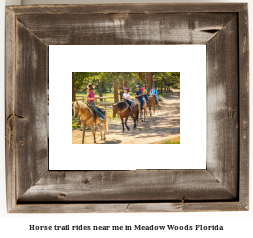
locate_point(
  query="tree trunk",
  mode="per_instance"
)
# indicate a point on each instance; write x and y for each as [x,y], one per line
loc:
[116,94]
[73,88]
[100,90]
[149,80]
[141,76]
[125,82]
[121,95]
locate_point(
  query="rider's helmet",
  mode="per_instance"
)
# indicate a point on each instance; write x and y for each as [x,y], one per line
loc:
[126,89]
[137,86]
[153,86]
[144,85]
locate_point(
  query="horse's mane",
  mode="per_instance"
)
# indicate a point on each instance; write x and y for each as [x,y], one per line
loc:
[121,104]
[82,105]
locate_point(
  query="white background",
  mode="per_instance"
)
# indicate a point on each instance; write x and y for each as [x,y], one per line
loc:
[237,224]
[189,60]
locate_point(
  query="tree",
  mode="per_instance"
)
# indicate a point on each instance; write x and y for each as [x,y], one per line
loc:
[141,76]
[125,82]
[73,88]
[149,80]
[115,87]
[105,81]
[100,90]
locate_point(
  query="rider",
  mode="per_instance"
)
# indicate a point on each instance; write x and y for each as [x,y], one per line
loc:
[144,92]
[126,97]
[90,101]
[139,95]
[153,91]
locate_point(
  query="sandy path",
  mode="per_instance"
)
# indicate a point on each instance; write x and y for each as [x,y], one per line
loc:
[159,127]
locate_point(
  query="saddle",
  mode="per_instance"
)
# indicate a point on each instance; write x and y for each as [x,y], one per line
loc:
[94,113]
[102,110]
[132,103]
[138,100]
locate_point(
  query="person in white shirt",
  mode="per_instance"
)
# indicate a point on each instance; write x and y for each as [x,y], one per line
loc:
[126,97]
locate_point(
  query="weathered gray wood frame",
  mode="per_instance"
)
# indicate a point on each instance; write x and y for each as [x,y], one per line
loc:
[223,186]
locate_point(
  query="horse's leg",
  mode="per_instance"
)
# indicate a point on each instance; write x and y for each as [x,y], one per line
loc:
[100,129]
[157,108]
[93,132]
[126,123]
[135,119]
[84,127]
[139,109]
[105,128]
[122,121]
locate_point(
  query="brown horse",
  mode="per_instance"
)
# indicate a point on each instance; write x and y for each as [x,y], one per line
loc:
[122,108]
[144,111]
[87,119]
[152,104]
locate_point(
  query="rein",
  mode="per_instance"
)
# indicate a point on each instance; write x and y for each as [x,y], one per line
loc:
[124,109]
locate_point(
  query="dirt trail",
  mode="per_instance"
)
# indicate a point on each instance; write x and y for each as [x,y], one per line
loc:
[157,128]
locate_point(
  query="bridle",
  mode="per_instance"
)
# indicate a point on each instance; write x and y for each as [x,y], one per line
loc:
[124,108]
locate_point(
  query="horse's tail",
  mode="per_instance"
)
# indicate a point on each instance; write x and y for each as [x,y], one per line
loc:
[106,119]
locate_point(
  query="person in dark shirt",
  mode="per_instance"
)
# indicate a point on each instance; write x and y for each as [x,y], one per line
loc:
[139,95]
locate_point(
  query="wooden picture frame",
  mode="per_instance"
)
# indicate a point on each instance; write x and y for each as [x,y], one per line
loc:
[223,186]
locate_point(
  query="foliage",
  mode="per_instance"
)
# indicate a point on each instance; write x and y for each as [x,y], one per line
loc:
[74,121]
[131,79]
[166,79]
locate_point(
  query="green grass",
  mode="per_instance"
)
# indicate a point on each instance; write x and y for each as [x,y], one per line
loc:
[172,141]
[74,121]
[163,95]
[110,114]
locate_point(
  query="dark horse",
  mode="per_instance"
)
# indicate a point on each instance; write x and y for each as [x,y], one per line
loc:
[122,108]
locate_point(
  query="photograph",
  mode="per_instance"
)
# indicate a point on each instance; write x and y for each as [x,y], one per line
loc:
[126,107]
[124,67]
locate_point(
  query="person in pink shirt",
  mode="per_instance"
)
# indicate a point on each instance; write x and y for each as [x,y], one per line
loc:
[90,101]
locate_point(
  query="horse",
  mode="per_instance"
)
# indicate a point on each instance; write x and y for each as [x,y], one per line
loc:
[87,119]
[152,104]
[144,108]
[122,108]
